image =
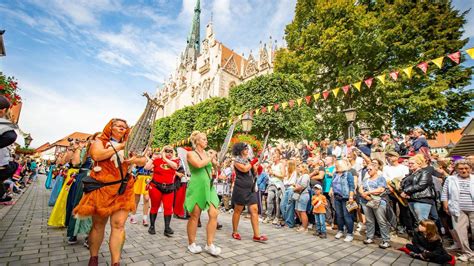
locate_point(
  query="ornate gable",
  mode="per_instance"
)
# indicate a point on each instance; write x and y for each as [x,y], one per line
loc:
[231,67]
[251,68]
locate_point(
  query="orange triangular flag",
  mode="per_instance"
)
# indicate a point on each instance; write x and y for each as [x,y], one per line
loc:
[438,61]
[470,52]
[394,75]
[264,110]
[357,85]
[284,105]
[276,106]
[291,103]
[381,78]
[308,99]
[335,91]
[423,66]
[299,101]
[408,71]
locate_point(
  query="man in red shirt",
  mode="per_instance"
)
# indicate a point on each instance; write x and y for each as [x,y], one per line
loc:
[162,188]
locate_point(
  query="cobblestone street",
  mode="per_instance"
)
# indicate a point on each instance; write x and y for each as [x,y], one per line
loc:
[25,239]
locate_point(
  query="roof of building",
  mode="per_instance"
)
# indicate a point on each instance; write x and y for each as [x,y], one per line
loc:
[43,147]
[443,139]
[465,146]
[227,54]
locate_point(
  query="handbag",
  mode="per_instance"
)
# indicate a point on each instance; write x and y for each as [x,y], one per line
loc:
[374,203]
[352,206]
[296,196]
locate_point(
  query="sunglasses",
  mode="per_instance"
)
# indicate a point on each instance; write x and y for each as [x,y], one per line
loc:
[168,151]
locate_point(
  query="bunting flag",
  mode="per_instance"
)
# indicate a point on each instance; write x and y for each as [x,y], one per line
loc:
[381,78]
[291,103]
[284,105]
[423,66]
[276,106]
[325,94]
[299,101]
[357,85]
[438,61]
[316,96]
[408,71]
[335,91]
[455,57]
[308,99]
[257,111]
[346,88]
[215,128]
[394,75]
[368,82]
[264,110]
[470,52]
[269,108]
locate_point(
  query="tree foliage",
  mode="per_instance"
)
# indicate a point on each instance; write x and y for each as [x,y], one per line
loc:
[291,123]
[183,122]
[335,43]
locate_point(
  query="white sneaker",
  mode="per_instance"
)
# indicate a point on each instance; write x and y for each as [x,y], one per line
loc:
[464,257]
[213,250]
[339,235]
[195,249]
[133,219]
[348,238]
[275,221]
[301,229]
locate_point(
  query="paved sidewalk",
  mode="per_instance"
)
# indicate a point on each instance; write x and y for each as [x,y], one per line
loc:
[25,239]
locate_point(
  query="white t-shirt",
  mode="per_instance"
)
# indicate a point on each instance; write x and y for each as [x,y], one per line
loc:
[390,172]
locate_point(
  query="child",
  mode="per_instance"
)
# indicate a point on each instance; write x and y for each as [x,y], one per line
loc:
[319,210]
[426,245]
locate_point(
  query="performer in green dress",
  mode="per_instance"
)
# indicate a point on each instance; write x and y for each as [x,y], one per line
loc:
[200,194]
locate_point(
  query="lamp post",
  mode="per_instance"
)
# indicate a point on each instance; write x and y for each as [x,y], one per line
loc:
[28,140]
[247,122]
[350,118]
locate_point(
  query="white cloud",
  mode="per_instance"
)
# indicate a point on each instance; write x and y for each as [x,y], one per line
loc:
[221,12]
[113,58]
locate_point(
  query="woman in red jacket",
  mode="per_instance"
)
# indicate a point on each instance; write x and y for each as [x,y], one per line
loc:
[162,187]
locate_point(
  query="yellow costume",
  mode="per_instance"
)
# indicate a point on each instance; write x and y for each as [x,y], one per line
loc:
[140,185]
[58,214]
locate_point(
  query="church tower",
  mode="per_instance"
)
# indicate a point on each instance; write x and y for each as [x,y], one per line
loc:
[193,47]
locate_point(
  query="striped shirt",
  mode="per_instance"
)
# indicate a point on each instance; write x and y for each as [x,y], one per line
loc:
[465,201]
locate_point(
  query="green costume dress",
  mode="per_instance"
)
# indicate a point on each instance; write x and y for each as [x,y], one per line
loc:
[199,190]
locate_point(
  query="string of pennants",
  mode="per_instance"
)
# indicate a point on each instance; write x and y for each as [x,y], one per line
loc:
[325,94]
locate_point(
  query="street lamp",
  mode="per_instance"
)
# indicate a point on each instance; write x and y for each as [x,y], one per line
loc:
[247,122]
[2,46]
[350,118]
[28,140]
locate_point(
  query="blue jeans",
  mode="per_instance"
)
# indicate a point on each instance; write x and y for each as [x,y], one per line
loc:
[343,217]
[287,207]
[422,210]
[320,219]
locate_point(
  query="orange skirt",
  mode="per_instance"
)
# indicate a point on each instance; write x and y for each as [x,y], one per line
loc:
[105,201]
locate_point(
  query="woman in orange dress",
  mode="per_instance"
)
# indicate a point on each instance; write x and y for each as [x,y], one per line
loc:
[106,202]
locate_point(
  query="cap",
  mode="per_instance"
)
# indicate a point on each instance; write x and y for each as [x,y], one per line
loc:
[318,186]
[393,153]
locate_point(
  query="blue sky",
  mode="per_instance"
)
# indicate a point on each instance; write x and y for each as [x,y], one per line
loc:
[80,62]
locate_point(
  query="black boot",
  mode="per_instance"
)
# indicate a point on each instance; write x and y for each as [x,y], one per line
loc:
[151,230]
[168,231]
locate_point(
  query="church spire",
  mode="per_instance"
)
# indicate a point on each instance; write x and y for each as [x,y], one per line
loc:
[193,47]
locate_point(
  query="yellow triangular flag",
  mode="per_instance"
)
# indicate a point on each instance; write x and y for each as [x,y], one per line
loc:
[215,128]
[269,108]
[316,96]
[257,111]
[470,52]
[357,85]
[438,61]
[284,105]
[408,71]
[335,91]
[299,101]
[381,78]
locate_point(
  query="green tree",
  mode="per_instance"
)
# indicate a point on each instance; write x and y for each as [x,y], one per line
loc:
[335,43]
[183,122]
[291,123]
